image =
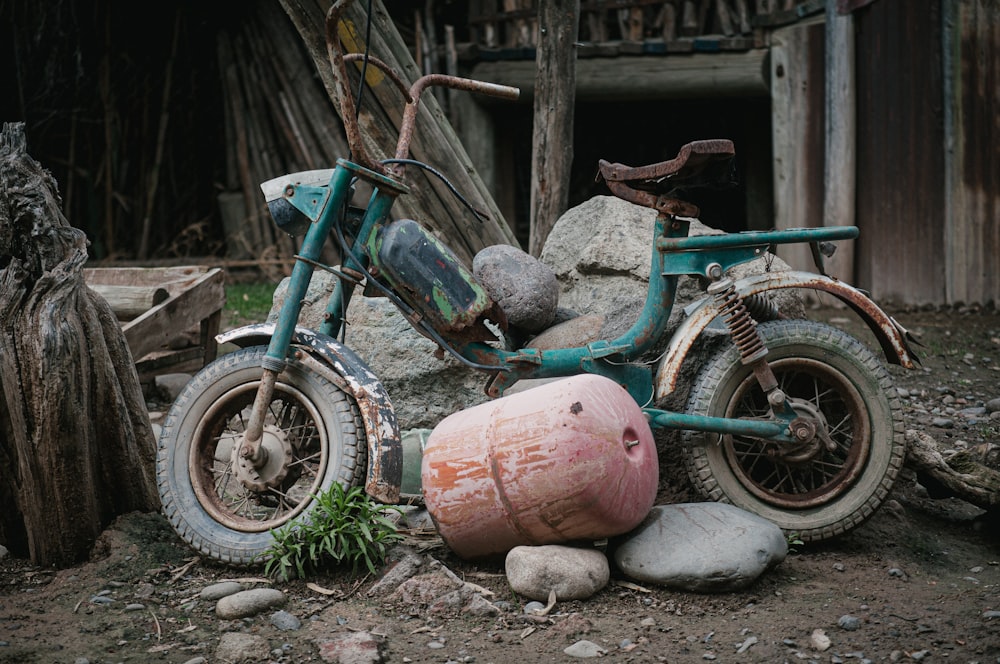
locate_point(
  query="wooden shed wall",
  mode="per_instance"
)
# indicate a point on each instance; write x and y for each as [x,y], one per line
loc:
[928,150]
[972,84]
[797,132]
[900,151]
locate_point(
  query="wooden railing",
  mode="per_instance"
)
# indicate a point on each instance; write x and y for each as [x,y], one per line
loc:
[508,28]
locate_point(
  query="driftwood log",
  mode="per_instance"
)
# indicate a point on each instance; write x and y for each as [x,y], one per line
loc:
[76,445]
[972,475]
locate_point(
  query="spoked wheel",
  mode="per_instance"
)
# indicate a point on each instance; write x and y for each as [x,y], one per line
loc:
[850,446]
[224,505]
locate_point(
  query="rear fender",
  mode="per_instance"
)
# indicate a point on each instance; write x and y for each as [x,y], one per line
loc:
[385,451]
[890,335]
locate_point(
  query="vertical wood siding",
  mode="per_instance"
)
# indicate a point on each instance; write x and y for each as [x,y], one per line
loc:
[798,89]
[973,83]
[900,151]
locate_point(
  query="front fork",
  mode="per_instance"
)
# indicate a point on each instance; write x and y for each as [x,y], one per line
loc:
[324,212]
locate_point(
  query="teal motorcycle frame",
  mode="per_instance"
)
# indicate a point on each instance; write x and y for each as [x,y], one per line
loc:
[764,358]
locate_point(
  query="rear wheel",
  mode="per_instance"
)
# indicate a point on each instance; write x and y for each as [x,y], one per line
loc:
[220,503]
[819,488]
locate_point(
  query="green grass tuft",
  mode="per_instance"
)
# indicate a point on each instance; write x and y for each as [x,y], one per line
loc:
[345,529]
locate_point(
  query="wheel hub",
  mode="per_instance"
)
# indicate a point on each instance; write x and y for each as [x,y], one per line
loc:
[809,430]
[272,469]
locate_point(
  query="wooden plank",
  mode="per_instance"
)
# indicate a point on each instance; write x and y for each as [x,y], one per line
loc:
[725,21]
[775,19]
[130,301]
[633,25]
[724,74]
[187,360]
[797,135]
[183,310]
[434,139]
[668,21]
[175,278]
[848,6]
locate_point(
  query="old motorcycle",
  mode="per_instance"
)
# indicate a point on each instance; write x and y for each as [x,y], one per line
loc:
[791,419]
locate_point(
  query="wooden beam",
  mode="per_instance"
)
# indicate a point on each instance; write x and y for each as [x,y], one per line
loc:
[839,195]
[676,76]
[552,136]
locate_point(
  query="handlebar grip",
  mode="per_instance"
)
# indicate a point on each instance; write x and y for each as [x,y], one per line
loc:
[502,91]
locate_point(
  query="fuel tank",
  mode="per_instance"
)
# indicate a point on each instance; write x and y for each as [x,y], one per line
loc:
[571,460]
[429,277]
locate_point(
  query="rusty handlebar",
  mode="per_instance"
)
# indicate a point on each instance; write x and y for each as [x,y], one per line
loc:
[411,94]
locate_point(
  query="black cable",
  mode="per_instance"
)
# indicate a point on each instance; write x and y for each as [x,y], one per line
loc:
[478,214]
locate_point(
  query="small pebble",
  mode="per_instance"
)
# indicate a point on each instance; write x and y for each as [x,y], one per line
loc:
[217,591]
[585,649]
[751,640]
[285,621]
[819,640]
[532,608]
[849,623]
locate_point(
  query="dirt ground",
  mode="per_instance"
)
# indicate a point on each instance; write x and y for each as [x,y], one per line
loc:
[922,577]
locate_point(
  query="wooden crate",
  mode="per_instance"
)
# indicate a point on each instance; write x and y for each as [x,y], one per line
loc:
[176,333]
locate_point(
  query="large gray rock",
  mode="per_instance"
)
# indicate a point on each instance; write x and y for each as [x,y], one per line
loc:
[701,547]
[524,287]
[600,254]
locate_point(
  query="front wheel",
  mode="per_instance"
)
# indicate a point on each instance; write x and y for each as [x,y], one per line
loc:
[221,504]
[821,488]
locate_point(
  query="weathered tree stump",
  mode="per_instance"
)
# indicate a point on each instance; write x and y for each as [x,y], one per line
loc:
[76,445]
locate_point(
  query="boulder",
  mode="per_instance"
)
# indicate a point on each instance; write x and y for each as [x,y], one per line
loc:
[524,287]
[572,572]
[701,547]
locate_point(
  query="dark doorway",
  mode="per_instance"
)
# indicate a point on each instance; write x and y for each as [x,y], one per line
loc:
[644,132]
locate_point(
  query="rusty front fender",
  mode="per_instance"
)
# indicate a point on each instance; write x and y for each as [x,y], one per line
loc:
[344,368]
[891,337]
